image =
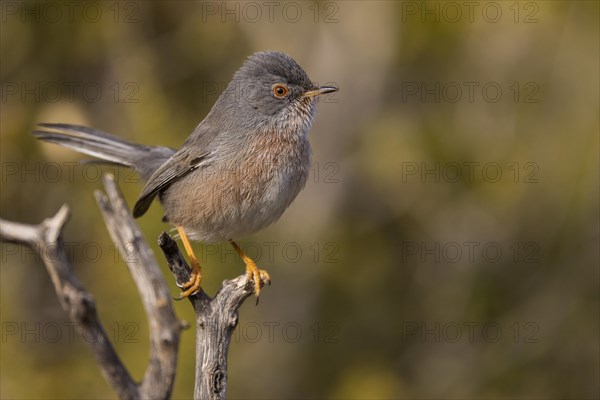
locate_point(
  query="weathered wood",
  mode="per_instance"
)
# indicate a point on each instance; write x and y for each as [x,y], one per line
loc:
[46,238]
[165,328]
[216,318]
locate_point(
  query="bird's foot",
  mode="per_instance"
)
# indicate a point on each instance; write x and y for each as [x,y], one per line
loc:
[258,276]
[193,284]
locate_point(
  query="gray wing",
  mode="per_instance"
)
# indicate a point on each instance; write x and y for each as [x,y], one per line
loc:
[194,153]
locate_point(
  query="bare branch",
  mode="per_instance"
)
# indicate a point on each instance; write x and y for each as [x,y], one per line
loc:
[165,328]
[46,238]
[216,318]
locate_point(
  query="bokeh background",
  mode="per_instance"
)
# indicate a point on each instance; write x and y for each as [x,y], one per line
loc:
[446,245]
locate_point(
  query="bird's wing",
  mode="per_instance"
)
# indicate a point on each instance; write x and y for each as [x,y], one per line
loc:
[193,154]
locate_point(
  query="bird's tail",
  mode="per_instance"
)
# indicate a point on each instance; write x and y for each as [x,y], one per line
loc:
[144,159]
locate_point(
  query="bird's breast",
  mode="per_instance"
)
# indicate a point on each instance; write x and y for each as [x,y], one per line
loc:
[271,176]
[243,193]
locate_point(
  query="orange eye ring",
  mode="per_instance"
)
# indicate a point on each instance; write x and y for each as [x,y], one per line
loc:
[280,90]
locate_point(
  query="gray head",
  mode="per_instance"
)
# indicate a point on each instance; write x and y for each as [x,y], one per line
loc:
[270,88]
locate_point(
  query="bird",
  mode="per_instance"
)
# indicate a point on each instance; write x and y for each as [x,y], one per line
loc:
[236,173]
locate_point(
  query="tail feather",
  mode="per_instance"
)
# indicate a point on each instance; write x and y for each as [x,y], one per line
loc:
[97,143]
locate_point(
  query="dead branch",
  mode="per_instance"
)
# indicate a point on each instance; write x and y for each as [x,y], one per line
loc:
[216,318]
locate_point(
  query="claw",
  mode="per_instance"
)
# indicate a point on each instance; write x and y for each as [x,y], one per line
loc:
[263,276]
[193,284]
[257,276]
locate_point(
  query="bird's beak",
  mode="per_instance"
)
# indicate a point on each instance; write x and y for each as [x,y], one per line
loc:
[319,91]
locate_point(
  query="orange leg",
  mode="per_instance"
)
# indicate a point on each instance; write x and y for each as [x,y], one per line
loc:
[193,284]
[252,271]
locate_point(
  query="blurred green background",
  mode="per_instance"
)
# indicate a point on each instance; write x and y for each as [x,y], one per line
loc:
[446,245]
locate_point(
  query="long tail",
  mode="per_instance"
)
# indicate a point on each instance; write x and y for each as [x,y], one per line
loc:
[144,159]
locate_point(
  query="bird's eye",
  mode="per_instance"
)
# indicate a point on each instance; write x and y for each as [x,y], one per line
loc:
[280,90]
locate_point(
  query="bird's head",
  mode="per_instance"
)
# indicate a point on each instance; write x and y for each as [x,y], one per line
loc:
[271,90]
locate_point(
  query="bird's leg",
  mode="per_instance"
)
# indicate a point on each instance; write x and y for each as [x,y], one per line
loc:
[252,271]
[193,284]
